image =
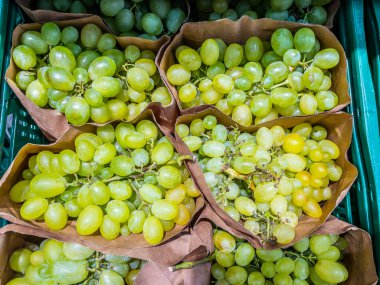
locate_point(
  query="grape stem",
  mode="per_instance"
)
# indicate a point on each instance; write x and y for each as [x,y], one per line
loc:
[191,264]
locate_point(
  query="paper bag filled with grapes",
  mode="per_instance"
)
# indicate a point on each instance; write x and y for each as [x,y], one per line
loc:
[337,253]
[275,182]
[256,70]
[119,188]
[76,72]
[29,257]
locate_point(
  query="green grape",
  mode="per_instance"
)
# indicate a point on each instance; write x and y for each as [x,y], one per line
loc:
[51,34]
[233,55]
[319,244]
[116,55]
[147,64]
[327,58]
[268,269]
[209,52]
[187,93]
[90,35]
[278,71]
[225,259]
[282,279]
[281,41]
[217,271]
[244,254]
[24,57]
[150,193]
[256,278]
[165,209]
[317,15]
[326,100]
[152,24]
[37,93]
[269,57]
[75,49]
[304,40]
[277,15]
[178,74]
[136,221]
[281,4]
[224,241]
[301,269]
[47,185]
[60,79]
[269,255]
[99,193]
[33,208]
[312,78]
[111,8]
[19,260]
[283,97]
[81,75]
[236,275]
[331,271]
[55,216]
[77,111]
[308,104]
[285,265]
[242,115]
[169,176]
[175,19]
[120,190]
[292,57]
[101,66]
[85,58]
[107,86]
[109,228]
[19,191]
[24,78]
[75,251]
[152,230]
[60,56]
[89,220]
[69,35]
[33,39]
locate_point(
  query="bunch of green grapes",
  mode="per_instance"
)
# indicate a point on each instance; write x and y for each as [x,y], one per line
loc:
[302,11]
[122,180]
[260,80]
[84,75]
[316,260]
[132,18]
[54,262]
[266,179]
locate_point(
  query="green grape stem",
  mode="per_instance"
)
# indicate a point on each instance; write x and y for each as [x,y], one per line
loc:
[191,264]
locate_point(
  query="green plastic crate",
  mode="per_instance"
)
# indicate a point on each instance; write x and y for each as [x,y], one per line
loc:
[16,126]
[365,111]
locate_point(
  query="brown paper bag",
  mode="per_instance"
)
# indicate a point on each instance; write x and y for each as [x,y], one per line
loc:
[53,123]
[339,127]
[42,16]
[193,35]
[131,245]
[189,245]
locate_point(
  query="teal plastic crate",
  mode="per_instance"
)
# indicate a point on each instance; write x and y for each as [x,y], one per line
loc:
[365,110]
[372,27]
[16,126]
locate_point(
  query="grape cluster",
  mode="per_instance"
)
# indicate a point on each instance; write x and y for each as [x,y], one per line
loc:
[260,80]
[266,179]
[55,262]
[122,180]
[302,11]
[84,75]
[134,18]
[315,260]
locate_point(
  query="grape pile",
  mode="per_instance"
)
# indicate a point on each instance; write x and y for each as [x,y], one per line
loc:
[84,75]
[315,260]
[260,80]
[302,11]
[266,179]
[55,262]
[123,180]
[134,18]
